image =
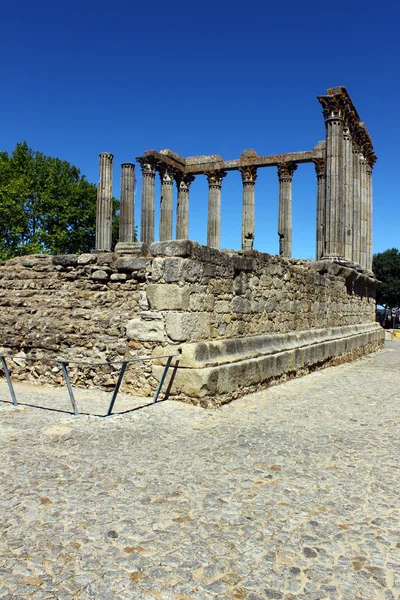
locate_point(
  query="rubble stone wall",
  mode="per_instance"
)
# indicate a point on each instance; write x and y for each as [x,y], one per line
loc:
[107,306]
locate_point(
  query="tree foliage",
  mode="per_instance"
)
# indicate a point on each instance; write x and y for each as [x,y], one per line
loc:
[386,267]
[46,205]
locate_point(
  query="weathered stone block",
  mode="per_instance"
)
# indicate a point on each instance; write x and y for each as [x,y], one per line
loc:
[145,331]
[66,260]
[192,270]
[87,259]
[173,269]
[181,248]
[118,277]
[157,269]
[127,264]
[100,275]
[137,248]
[201,302]
[195,383]
[167,297]
[187,326]
[105,258]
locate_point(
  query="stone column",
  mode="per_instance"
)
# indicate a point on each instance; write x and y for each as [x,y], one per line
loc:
[147,210]
[167,180]
[183,182]
[369,216]
[320,169]
[356,205]
[285,174]
[104,204]
[334,204]
[363,206]
[348,194]
[214,208]
[249,176]
[126,205]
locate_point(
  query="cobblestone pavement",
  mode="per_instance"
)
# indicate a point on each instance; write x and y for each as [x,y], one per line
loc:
[290,493]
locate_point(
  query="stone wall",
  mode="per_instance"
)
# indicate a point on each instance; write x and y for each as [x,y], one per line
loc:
[185,298]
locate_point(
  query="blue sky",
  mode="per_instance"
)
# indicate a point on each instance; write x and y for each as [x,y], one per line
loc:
[80,78]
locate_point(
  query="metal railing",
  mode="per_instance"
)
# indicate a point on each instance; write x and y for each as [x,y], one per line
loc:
[64,364]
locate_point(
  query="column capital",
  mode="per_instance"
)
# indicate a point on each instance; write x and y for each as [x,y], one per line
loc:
[249,174]
[286,170]
[332,108]
[183,180]
[166,173]
[128,166]
[148,165]
[320,165]
[106,155]
[215,178]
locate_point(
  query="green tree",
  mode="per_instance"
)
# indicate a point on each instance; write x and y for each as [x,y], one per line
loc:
[46,205]
[386,267]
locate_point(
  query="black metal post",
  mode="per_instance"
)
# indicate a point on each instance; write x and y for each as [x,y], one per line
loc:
[115,392]
[158,390]
[8,377]
[71,393]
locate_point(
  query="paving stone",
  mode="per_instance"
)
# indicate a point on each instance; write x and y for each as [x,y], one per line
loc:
[290,493]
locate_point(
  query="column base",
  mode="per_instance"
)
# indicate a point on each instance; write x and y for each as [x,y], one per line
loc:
[138,248]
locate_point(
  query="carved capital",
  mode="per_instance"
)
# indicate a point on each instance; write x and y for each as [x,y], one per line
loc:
[249,174]
[319,164]
[148,165]
[166,174]
[286,170]
[183,181]
[215,178]
[332,108]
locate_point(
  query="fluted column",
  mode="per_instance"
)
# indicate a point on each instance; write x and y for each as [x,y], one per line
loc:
[356,205]
[334,201]
[183,182]
[167,179]
[104,204]
[147,210]
[348,194]
[285,174]
[320,169]
[363,204]
[214,208]
[126,205]
[249,176]
[369,216]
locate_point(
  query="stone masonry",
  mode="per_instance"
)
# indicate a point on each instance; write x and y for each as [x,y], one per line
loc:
[227,314]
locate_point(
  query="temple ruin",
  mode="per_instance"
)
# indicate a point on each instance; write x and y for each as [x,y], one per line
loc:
[239,320]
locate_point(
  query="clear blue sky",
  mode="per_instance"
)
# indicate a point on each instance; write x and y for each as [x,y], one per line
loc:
[80,78]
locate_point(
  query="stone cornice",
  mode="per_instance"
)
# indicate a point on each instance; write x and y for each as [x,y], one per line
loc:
[201,165]
[337,104]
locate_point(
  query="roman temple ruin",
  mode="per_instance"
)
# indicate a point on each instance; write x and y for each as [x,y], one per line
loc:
[238,320]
